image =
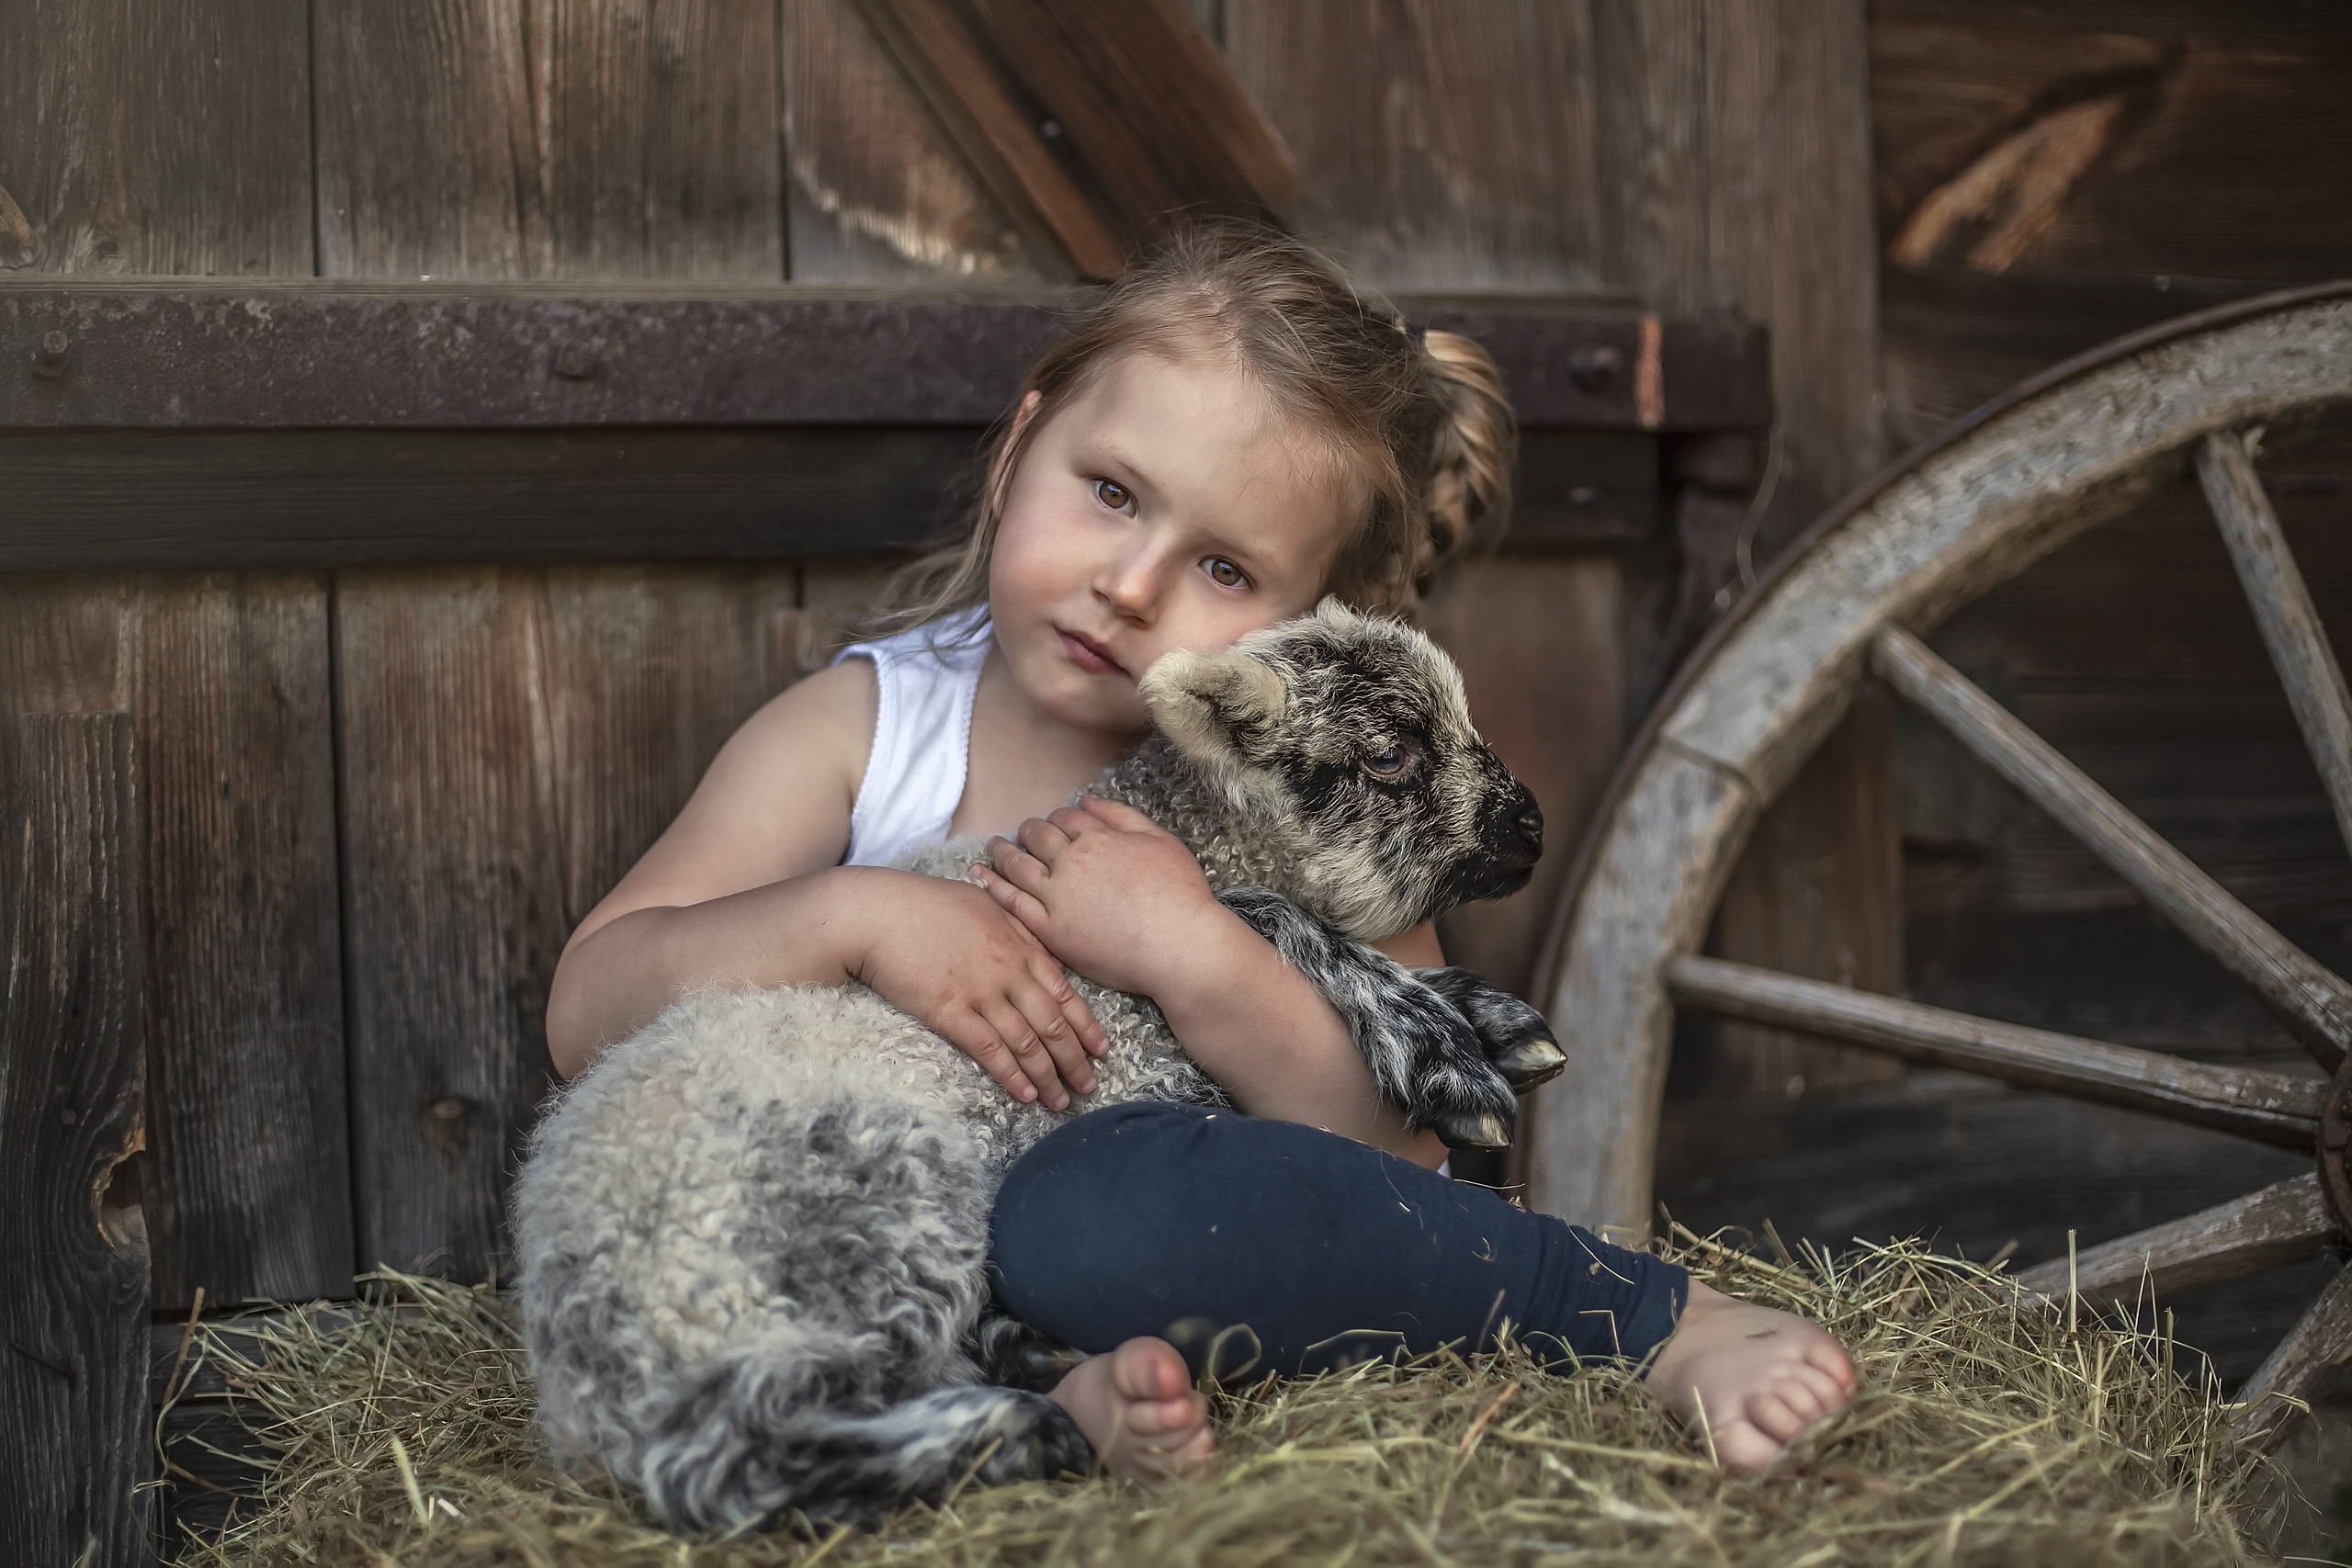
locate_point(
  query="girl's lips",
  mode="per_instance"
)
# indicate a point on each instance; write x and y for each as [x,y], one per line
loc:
[1091,656]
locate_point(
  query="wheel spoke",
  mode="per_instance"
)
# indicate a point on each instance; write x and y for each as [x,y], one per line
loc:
[2284,1223]
[2283,608]
[2314,1004]
[2320,1342]
[2272,1107]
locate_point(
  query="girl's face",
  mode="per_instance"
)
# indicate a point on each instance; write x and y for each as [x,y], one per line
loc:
[1168,506]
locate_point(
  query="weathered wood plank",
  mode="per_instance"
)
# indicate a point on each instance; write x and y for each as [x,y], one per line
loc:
[247,1171]
[1818,892]
[156,139]
[1952,339]
[2279,1225]
[1438,146]
[1736,145]
[2313,1003]
[2283,609]
[2270,1106]
[2231,135]
[465,140]
[1535,636]
[511,742]
[878,192]
[2319,1345]
[74,1428]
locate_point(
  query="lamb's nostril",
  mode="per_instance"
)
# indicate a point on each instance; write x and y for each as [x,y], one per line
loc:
[1530,825]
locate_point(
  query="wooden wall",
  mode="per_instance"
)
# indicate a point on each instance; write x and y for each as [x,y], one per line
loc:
[376,802]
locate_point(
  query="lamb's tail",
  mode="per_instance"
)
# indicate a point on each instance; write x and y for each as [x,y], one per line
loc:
[733,1455]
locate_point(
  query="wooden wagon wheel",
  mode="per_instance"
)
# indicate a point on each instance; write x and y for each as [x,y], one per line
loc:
[2073,448]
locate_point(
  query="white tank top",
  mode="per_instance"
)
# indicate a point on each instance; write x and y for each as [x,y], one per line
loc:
[925,681]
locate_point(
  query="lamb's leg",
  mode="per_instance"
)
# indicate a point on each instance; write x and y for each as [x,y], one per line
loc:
[1518,1041]
[1011,1353]
[1425,1058]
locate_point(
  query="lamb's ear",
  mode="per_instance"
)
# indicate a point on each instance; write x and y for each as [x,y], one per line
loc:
[1214,705]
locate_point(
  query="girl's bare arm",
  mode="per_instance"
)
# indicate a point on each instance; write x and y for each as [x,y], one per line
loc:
[743,889]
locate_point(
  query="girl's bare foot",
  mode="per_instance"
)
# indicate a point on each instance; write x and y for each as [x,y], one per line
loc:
[1749,1378]
[1137,1406]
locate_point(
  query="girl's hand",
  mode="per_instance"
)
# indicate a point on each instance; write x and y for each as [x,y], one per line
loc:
[942,953]
[1108,892]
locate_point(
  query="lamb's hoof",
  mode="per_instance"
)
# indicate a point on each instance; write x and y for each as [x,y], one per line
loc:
[1530,1062]
[1465,1130]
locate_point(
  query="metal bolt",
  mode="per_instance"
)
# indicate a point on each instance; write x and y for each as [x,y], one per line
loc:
[52,352]
[1595,368]
[577,362]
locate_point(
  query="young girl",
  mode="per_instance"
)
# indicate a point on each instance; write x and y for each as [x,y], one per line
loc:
[1233,433]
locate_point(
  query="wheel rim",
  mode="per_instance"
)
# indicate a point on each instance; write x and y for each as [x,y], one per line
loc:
[2081,445]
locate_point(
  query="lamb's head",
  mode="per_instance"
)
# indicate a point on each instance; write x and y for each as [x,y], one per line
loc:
[1349,735]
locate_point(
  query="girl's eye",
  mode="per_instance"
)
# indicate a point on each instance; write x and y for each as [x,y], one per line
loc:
[1223,573]
[1115,495]
[1388,764]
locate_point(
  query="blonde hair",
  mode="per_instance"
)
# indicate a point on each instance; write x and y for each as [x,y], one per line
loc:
[1418,421]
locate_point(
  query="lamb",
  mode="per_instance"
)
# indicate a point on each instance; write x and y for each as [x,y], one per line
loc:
[751,1238]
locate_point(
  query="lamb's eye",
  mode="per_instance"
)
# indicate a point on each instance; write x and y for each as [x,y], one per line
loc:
[1223,573]
[1388,764]
[1115,495]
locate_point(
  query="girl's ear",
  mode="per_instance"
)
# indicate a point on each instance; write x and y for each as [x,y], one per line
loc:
[1217,707]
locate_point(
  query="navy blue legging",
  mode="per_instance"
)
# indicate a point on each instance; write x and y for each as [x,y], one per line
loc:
[1262,1245]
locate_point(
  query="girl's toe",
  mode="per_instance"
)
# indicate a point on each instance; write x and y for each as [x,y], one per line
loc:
[1825,1356]
[1742,1445]
[1827,1391]
[1776,1417]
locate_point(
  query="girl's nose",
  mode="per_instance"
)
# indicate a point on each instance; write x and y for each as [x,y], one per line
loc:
[1129,583]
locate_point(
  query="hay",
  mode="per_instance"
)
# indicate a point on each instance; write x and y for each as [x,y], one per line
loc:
[1987,1431]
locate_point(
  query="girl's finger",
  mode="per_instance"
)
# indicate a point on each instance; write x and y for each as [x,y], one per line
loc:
[1042,839]
[1071,820]
[1047,969]
[1061,1041]
[1016,865]
[1021,905]
[1028,1050]
[971,1033]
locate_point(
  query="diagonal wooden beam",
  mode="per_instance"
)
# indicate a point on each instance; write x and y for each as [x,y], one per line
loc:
[1092,121]
[2313,1002]
[950,67]
[2283,609]
[1147,100]
[2272,1108]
